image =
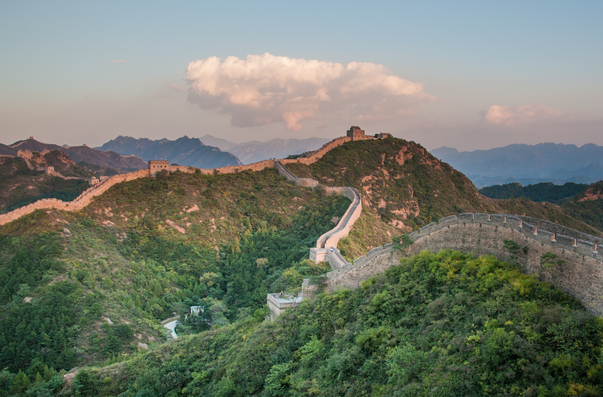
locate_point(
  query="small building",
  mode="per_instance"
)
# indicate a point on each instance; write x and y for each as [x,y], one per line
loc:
[157,165]
[196,310]
[278,304]
[49,169]
[356,133]
[384,135]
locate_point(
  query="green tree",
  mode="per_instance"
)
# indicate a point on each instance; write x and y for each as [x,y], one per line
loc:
[85,384]
[20,383]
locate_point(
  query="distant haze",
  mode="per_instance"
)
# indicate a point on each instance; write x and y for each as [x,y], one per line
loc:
[182,151]
[528,164]
[208,151]
[469,75]
[250,152]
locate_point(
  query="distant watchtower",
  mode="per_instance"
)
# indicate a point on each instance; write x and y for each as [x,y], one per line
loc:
[356,133]
[157,165]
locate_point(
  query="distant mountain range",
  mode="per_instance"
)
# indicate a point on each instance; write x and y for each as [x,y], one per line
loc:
[182,151]
[252,151]
[209,151]
[528,164]
[103,159]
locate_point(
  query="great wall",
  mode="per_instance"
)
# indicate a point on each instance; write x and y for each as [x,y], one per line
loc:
[580,276]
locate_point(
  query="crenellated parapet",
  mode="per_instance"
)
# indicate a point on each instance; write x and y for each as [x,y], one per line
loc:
[573,240]
[580,276]
[78,204]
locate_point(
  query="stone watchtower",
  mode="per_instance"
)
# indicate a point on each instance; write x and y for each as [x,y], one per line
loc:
[356,133]
[157,165]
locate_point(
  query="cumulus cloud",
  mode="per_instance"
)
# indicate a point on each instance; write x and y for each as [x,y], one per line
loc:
[265,88]
[530,113]
[119,60]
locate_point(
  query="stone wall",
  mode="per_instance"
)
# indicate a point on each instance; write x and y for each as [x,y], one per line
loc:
[581,276]
[86,198]
[332,237]
[559,229]
[277,304]
[374,262]
[80,202]
[326,245]
[314,156]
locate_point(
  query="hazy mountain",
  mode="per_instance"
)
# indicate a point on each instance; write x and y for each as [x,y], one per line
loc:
[252,151]
[220,143]
[182,151]
[7,150]
[103,159]
[594,170]
[482,181]
[558,163]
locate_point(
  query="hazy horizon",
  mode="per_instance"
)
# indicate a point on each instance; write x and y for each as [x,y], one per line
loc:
[470,76]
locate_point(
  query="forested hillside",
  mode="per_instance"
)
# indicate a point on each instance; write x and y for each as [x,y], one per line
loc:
[546,191]
[407,188]
[588,206]
[20,185]
[436,325]
[91,286]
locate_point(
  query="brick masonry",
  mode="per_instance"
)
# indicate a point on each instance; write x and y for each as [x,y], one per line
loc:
[581,276]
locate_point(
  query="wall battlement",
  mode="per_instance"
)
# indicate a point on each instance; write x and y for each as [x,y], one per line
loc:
[586,245]
[581,276]
[76,205]
[160,165]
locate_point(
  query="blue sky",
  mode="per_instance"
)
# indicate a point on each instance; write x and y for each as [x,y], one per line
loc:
[497,72]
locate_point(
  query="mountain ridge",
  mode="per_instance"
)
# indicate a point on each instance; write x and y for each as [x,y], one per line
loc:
[108,159]
[182,151]
[523,163]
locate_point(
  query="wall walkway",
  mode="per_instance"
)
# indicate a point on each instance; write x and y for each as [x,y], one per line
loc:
[581,276]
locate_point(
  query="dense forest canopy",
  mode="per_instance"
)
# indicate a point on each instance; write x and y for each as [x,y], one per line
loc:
[546,191]
[91,287]
[446,324]
[588,206]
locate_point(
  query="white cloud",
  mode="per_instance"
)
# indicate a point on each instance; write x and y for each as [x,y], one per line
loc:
[119,61]
[530,113]
[265,88]
[176,87]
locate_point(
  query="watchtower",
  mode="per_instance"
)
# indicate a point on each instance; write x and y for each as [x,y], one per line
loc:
[157,165]
[356,133]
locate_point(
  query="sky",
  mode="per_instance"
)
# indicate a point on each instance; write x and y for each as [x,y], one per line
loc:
[470,75]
